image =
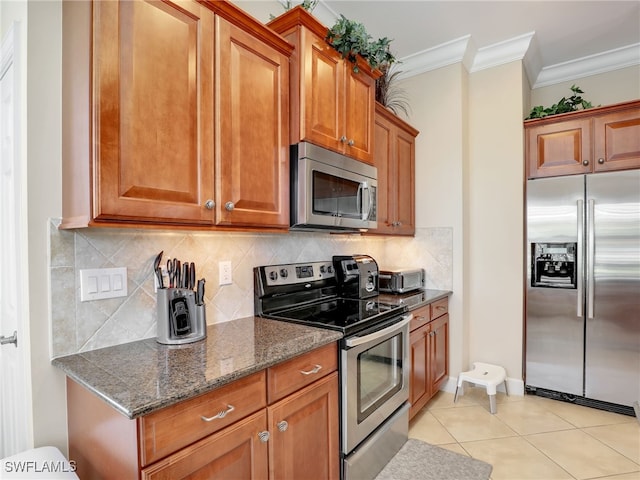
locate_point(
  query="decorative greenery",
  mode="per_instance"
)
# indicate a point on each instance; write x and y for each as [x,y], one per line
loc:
[308,5]
[388,93]
[565,105]
[350,39]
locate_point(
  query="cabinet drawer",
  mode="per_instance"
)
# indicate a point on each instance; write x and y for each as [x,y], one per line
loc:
[421,316]
[168,430]
[439,308]
[298,372]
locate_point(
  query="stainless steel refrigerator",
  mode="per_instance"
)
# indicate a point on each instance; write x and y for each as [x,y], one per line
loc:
[583,289]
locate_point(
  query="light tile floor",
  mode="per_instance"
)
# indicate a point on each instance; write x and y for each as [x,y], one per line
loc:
[532,437]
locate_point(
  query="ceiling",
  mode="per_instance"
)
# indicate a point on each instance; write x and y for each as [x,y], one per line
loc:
[557,40]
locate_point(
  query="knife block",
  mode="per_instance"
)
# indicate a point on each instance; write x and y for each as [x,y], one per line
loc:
[180,320]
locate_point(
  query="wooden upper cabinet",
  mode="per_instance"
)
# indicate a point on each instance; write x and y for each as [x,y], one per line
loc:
[153,111]
[252,129]
[395,159]
[588,141]
[176,115]
[616,138]
[331,105]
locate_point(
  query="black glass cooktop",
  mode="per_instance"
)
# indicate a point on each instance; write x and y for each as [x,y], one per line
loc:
[344,314]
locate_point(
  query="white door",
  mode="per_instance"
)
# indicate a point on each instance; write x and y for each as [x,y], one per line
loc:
[15,417]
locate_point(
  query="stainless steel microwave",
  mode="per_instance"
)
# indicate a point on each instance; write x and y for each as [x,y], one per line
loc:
[330,191]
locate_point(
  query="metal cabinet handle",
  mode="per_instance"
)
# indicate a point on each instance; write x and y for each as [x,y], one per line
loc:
[316,369]
[585,162]
[209,204]
[343,139]
[351,143]
[221,414]
[601,161]
[12,339]
[283,425]
[264,436]
[229,206]
[439,307]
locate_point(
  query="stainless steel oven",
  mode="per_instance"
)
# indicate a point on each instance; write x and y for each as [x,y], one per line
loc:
[375,385]
[374,353]
[330,191]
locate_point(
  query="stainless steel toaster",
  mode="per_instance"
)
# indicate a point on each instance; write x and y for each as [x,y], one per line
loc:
[401,280]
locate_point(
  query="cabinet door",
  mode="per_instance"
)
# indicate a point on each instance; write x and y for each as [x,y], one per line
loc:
[383,152]
[252,130]
[236,452]
[394,157]
[438,353]
[304,433]
[360,92]
[153,111]
[419,379]
[405,181]
[617,141]
[560,148]
[321,93]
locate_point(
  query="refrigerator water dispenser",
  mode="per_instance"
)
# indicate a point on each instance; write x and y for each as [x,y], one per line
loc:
[553,265]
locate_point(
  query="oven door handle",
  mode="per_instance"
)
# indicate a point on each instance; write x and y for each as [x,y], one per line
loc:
[355,340]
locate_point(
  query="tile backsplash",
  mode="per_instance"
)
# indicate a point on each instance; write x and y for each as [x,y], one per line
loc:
[79,326]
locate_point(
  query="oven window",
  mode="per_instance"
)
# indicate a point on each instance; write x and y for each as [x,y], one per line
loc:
[335,196]
[379,375]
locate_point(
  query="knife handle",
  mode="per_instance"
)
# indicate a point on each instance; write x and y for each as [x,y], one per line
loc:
[185,275]
[192,276]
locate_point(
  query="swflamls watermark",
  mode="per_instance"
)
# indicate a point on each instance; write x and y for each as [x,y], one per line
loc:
[35,466]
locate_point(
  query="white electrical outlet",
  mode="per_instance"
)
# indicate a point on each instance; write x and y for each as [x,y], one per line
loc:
[99,283]
[225,273]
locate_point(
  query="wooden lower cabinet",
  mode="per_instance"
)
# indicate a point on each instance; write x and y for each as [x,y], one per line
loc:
[295,437]
[304,433]
[429,345]
[235,452]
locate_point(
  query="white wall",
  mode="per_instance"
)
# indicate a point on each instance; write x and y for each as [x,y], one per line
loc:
[439,111]
[40,24]
[494,228]
[469,175]
[603,89]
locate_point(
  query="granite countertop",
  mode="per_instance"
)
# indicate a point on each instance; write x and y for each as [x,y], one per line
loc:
[415,299]
[140,377]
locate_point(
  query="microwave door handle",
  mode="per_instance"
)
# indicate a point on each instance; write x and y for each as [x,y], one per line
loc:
[365,212]
[359,197]
[370,209]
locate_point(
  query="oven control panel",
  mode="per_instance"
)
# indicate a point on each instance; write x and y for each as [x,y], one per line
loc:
[298,273]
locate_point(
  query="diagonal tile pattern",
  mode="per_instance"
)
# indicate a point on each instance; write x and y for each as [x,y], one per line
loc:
[533,437]
[80,326]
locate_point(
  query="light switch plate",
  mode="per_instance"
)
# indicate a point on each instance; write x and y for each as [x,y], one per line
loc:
[101,283]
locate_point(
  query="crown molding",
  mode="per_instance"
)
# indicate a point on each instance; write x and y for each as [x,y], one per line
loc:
[503,52]
[523,47]
[591,65]
[459,50]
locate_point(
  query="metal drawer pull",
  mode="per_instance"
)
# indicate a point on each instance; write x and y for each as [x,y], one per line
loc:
[316,369]
[221,414]
[264,436]
[439,307]
[283,425]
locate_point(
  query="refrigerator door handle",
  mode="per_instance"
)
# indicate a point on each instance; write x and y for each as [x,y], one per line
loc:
[591,248]
[580,259]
